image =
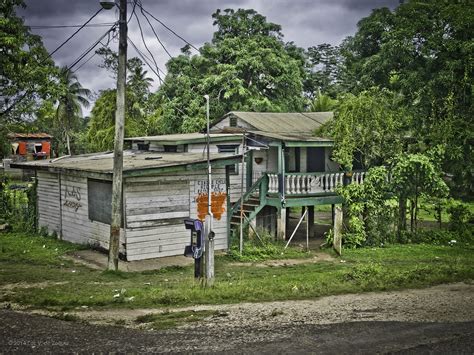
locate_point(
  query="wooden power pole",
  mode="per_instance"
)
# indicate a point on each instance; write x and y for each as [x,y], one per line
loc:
[114,241]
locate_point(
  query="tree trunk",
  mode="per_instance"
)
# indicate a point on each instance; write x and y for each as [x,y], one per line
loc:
[402,215]
[416,213]
[412,207]
[68,144]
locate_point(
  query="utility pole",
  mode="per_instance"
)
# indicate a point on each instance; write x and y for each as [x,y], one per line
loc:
[208,233]
[114,241]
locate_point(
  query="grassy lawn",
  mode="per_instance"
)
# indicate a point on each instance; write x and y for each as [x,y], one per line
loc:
[34,274]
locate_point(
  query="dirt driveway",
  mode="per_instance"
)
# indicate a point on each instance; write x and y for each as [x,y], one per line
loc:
[439,319]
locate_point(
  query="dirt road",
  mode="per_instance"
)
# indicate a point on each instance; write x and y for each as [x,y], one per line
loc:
[438,319]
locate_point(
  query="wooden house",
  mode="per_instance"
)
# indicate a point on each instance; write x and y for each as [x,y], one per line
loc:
[160,189]
[286,166]
[29,146]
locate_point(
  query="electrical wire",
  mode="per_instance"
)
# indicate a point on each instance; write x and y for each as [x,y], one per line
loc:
[168,28]
[8,109]
[144,43]
[87,51]
[109,39]
[146,60]
[41,27]
[154,32]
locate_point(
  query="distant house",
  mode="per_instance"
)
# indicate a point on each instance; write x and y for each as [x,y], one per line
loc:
[29,146]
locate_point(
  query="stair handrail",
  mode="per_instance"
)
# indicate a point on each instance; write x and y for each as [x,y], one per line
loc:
[253,188]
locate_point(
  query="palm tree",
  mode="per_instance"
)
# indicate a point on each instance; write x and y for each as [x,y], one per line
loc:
[323,103]
[71,100]
[139,83]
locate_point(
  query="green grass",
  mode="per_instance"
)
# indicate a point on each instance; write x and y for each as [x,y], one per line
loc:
[34,274]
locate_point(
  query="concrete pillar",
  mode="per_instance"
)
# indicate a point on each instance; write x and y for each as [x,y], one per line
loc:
[337,229]
[281,224]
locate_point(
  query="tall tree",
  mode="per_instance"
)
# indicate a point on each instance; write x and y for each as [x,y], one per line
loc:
[323,70]
[27,74]
[71,100]
[424,50]
[246,66]
[369,127]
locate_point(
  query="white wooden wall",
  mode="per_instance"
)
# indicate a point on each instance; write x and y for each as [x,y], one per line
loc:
[76,225]
[49,210]
[155,208]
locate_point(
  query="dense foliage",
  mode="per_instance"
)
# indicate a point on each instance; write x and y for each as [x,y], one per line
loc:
[27,74]
[245,67]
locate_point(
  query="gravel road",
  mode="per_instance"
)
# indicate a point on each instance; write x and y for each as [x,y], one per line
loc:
[439,319]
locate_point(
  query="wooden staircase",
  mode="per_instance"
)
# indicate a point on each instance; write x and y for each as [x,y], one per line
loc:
[253,202]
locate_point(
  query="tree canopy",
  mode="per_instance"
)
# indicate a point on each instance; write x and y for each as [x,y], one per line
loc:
[27,74]
[422,50]
[246,66]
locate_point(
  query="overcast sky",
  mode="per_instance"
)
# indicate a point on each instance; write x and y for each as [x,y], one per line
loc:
[305,22]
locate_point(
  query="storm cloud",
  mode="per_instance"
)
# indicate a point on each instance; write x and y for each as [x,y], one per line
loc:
[304,22]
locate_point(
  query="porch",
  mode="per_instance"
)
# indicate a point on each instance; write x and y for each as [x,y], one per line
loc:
[272,195]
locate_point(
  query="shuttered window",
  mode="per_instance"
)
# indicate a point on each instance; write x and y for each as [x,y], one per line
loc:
[99,193]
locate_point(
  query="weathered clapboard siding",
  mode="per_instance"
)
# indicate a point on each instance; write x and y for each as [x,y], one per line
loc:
[76,225]
[155,208]
[49,202]
[235,183]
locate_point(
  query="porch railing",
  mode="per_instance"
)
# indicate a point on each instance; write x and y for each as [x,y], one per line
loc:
[311,183]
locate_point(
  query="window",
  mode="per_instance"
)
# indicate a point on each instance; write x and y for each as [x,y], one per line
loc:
[99,193]
[233,121]
[171,148]
[233,149]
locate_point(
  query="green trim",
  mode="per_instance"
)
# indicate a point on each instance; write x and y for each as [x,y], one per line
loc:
[309,144]
[304,201]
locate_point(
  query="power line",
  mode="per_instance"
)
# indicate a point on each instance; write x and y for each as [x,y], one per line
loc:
[158,39]
[76,32]
[144,43]
[168,28]
[95,53]
[146,61]
[162,83]
[92,47]
[40,27]
[8,109]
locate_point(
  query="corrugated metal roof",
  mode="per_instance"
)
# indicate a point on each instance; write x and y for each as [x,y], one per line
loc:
[304,123]
[132,161]
[29,135]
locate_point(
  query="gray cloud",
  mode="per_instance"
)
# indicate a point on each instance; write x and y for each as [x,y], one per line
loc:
[305,22]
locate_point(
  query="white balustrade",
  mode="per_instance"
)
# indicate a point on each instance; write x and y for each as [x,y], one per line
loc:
[301,184]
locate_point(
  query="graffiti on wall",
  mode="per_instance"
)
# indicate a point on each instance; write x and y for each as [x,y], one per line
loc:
[72,196]
[218,198]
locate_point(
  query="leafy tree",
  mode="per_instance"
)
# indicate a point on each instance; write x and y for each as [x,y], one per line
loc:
[423,50]
[246,66]
[323,66]
[369,213]
[72,97]
[27,74]
[412,176]
[101,131]
[370,126]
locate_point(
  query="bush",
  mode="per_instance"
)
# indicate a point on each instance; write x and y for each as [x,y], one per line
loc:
[459,216]
[18,205]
